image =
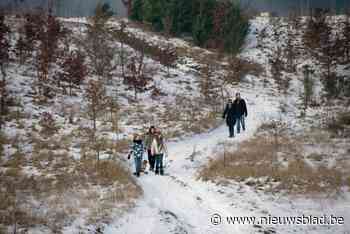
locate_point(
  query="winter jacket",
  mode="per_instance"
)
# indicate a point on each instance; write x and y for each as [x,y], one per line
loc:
[137,149]
[241,107]
[230,114]
[148,140]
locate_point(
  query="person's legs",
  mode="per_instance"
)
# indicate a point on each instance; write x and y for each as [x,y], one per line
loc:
[161,170]
[137,165]
[232,130]
[157,157]
[151,160]
[238,121]
[243,122]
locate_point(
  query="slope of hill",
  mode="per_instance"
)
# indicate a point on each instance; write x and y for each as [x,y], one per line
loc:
[52,182]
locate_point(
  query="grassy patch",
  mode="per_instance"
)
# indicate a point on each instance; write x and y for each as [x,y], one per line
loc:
[51,180]
[283,170]
[340,126]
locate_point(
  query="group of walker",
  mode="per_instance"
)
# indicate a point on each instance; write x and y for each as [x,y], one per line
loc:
[235,114]
[154,144]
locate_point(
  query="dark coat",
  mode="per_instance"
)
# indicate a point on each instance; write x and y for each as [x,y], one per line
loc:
[240,108]
[230,114]
[137,149]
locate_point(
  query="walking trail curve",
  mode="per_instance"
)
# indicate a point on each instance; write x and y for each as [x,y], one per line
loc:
[178,202]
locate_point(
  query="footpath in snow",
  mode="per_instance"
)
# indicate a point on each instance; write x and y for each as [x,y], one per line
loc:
[178,202]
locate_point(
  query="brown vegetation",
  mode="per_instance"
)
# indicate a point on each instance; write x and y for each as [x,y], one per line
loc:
[256,163]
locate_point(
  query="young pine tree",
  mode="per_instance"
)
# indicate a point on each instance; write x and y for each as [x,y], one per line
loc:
[137,10]
[74,70]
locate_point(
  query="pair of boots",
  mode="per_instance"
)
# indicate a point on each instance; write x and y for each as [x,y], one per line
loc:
[157,171]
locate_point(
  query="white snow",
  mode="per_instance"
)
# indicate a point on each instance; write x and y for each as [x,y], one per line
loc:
[180,203]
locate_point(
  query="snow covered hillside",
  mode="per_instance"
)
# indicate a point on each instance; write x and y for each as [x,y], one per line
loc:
[61,174]
[180,203]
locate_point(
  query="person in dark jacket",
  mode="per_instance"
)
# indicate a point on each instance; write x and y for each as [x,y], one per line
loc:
[148,141]
[241,112]
[137,152]
[230,116]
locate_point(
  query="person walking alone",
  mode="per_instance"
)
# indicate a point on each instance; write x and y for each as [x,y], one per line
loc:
[230,116]
[241,112]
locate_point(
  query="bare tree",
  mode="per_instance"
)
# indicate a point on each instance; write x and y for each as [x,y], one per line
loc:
[95,95]
[47,52]
[308,85]
[168,57]
[290,51]
[138,76]
[4,61]
[97,45]
[74,70]
[121,34]
[346,36]
[209,87]
[277,66]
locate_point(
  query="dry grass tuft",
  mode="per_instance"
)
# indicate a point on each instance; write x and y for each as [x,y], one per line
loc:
[289,172]
[122,145]
[61,186]
[340,126]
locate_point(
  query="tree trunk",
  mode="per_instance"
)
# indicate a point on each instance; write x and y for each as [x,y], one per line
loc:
[94,114]
[3,93]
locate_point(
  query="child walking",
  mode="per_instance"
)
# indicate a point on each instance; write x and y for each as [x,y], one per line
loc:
[137,152]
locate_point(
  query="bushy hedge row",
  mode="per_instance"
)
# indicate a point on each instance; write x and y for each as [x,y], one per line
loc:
[212,23]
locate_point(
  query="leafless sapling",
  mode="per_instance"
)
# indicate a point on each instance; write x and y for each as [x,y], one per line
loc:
[74,70]
[138,76]
[4,61]
[95,95]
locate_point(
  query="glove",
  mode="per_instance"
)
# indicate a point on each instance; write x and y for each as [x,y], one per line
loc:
[129,156]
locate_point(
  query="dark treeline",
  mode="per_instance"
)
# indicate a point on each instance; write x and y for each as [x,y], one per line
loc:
[211,23]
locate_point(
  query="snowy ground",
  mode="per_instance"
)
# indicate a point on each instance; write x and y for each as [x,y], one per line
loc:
[179,203]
